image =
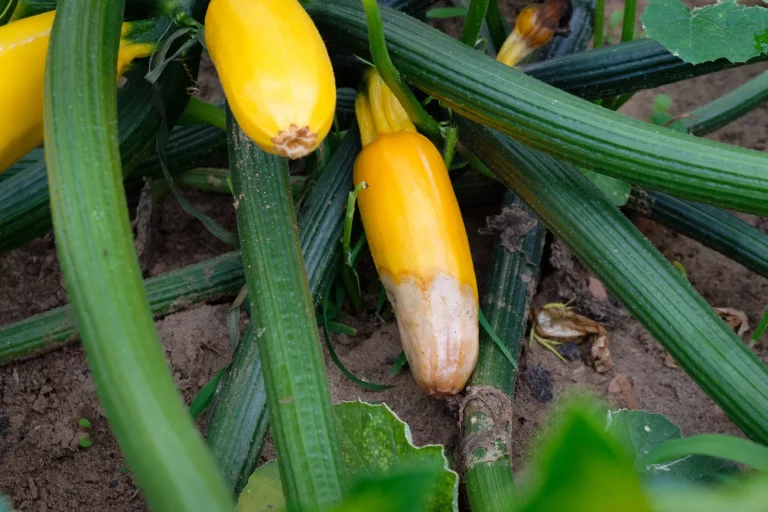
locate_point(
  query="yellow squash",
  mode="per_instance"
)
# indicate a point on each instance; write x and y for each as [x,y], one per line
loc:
[23,49]
[275,71]
[418,242]
[536,25]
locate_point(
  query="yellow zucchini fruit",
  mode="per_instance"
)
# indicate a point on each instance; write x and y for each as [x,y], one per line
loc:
[275,71]
[23,50]
[536,25]
[417,238]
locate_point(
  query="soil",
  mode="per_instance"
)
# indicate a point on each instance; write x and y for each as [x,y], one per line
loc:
[43,466]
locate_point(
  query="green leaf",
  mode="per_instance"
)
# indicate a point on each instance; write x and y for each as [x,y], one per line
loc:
[264,492]
[403,491]
[581,469]
[723,446]
[749,495]
[85,423]
[639,432]
[722,30]
[441,13]
[374,441]
[378,452]
[617,190]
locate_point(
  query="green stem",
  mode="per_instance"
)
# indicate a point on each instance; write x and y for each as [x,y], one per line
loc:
[487,424]
[390,75]
[6,10]
[100,267]
[618,69]
[552,121]
[237,422]
[473,23]
[497,25]
[713,227]
[627,34]
[727,107]
[206,281]
[598,33]
[349,221]
[206,113]
[628,24]
[203,398]
[651,289]
[298,397]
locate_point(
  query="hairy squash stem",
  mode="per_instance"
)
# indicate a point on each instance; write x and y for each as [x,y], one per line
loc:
[599,30]
[206,113]
[728,107]
[208,280]
[296,382]
[487,413]
[101,271]
[275,72]
[651,289]
[237,422]
[552,121]
[23,47]
[622,68]
[713,227]
[24,202]
[497,25]
[417,238]
[473,22]
[487,418]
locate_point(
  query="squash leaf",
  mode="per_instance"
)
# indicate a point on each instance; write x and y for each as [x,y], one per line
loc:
[722,30]
[379,456]
[638,432]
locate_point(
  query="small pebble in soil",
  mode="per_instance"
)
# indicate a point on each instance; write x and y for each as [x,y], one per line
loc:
[538,381]
[570,351]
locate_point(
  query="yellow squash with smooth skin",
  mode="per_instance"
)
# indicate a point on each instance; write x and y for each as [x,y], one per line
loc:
[23,49]
[275,71]
[419,245]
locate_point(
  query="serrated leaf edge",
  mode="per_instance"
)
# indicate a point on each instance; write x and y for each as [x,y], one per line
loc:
[409,438]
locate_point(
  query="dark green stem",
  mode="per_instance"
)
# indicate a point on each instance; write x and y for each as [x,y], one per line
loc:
[206,281]
[473,23]
[599,30]
[497,25]
[727,107]
[623,68]
[237,422]
[628,24]
[390,75]
[651,289]
[487,425]
[550,120]
[295,377]
[206,113]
